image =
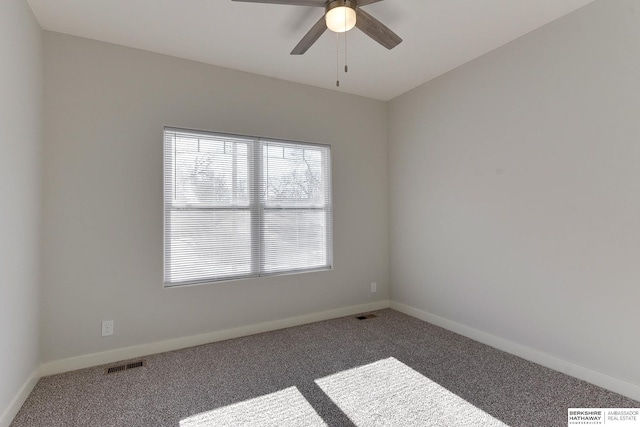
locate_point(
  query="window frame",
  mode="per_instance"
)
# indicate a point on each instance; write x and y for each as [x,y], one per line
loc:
[257,205]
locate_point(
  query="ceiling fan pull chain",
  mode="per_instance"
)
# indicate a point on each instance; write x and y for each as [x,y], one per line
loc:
[337,60]
[346,67]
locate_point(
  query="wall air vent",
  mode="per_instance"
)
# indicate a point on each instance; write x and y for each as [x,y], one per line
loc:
[125,366]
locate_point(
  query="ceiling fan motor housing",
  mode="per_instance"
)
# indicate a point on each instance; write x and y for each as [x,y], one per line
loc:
[332,4]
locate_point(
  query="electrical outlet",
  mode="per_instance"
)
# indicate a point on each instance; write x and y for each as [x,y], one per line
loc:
[107,328]
[374,287]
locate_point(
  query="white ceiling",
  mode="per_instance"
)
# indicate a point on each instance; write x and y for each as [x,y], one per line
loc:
[439,35]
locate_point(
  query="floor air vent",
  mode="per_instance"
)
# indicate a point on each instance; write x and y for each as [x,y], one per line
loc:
[366,316]
[125,367]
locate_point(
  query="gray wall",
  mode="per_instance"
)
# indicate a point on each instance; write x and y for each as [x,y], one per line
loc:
[20,189]
[105,108]
[515,191]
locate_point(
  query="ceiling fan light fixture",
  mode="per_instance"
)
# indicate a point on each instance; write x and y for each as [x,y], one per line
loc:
[340,16]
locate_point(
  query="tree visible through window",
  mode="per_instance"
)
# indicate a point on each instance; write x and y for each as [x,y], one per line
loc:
[243,207]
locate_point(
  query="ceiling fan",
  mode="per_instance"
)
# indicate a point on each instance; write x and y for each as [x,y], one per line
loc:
[340,16]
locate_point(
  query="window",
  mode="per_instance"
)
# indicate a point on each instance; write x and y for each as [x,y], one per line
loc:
[238,207]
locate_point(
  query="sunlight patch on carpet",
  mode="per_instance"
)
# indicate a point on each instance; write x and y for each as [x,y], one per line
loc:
[389,393]
[286,407]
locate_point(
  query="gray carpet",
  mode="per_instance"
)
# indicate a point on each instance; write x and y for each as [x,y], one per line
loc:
[392,370]
[388,392]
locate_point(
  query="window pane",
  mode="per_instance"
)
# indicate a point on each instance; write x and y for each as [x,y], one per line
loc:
[210,172]
[294,239]
[293,175]
[208,244]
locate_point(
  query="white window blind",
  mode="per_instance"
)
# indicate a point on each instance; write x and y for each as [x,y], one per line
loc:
[237,207]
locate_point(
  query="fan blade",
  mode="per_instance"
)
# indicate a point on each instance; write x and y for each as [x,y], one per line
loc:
[310,38]
[366,2]
[318,3]
[376,30]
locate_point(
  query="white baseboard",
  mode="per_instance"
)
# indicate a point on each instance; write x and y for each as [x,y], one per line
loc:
[16,403]
[96,359]
[608,382]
